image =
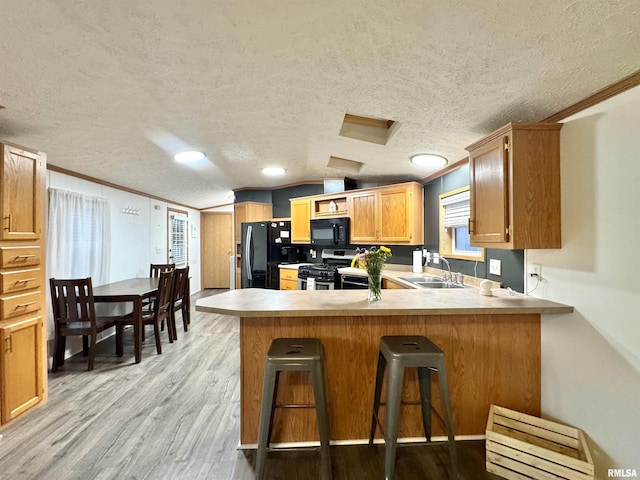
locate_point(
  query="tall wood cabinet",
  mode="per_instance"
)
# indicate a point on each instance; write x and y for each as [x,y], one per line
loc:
[391,215]
[23,357]
[300,217]
[247,212]
[514,179]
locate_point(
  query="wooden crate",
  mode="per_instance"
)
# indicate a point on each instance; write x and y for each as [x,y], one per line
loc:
[523,447]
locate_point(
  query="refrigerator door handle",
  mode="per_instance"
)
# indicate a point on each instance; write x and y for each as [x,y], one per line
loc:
[247,252]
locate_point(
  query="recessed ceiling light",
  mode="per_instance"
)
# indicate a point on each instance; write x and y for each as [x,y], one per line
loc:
[429,160]
[189,156]
[273,171]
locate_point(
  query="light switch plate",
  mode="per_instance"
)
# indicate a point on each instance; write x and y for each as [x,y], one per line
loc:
[436,258]
[495,267]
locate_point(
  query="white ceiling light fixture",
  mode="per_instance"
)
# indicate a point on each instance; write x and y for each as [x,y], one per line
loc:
[188,156]
[274,171]
[431,160]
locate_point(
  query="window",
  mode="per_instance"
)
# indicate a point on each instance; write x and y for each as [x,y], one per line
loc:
[178,238]
[454,226]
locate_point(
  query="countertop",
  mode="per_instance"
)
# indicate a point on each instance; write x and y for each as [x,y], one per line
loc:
[292,266]
[335,303]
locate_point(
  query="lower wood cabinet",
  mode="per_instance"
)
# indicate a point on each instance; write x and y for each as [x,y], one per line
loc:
[20,366]
[288,279]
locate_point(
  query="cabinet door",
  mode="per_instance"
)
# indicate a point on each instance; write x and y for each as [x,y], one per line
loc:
[21,190]
[489,186]
[300,217]
[362,211]
[240,215]
[20,360]
[394,214]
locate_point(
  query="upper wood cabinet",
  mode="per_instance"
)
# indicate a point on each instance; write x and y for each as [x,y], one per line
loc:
[300,217]
[23,355]
[22,188]
[514,179]
[250,212]
[391,215]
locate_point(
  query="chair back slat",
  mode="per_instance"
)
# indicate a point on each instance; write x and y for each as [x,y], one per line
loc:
[72,300]
[163,298]
[157,268]
[180,279]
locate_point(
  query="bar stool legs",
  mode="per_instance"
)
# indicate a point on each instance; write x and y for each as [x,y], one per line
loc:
[294,354]
[397,353]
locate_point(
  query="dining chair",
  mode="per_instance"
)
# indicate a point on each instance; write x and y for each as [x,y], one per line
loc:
[160,312]
[74,314]
[179,300]
[154,272]
[156,268]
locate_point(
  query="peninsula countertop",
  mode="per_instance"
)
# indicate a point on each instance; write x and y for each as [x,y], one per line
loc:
[255,302]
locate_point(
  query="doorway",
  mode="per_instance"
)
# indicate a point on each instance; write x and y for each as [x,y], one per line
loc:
[216,248]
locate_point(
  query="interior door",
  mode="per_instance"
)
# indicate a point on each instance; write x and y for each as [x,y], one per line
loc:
[217,245]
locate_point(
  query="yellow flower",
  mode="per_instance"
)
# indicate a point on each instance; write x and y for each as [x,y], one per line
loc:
[385,249]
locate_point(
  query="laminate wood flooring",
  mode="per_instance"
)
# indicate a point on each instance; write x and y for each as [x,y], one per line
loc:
[176,416]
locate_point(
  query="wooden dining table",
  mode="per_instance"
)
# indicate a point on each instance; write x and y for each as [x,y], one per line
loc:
[135,290]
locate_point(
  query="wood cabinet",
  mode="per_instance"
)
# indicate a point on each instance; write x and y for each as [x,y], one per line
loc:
[391,215]
[20,366]
[247,212]
[300,217]
[23,356]
[288,279]
[514,178]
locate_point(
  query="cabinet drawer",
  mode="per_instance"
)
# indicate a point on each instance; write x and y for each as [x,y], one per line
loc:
[12,257]
[288,274]
[14,282]
[288,285]
[19,305]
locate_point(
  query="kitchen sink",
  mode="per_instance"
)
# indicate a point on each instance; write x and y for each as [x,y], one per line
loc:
[430,282]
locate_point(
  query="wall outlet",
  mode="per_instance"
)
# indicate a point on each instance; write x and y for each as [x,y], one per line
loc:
[313,253]
[426,254]
[495,267]
[436,258]
[535,270]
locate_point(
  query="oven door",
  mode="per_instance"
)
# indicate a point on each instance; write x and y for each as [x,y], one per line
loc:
[354,282]
[313,284]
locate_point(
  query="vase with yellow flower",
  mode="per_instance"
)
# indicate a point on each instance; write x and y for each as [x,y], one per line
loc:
[374,259]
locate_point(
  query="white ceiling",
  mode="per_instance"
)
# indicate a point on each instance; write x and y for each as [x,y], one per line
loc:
[112,89]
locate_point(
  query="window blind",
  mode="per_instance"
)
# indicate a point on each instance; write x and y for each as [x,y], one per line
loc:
[178,250]
[457,209]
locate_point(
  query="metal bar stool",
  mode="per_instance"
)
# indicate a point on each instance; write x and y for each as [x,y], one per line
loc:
[400,352]
[294,354]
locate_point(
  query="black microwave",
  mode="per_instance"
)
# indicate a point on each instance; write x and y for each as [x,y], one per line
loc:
[330,231]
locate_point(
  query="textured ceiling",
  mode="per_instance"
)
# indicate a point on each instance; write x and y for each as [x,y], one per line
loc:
[112,89]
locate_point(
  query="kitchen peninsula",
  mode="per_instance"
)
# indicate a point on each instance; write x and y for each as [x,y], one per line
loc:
[491,344]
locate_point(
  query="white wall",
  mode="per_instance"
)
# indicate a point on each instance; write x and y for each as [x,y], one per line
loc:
[136,240]
[591,358]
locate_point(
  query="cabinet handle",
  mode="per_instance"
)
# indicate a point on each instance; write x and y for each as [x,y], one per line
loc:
[24,305]
[8,345]
[8,229]
[26,280]
[24,257]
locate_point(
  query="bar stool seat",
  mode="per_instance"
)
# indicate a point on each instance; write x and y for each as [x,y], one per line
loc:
[400,352]
[293,354]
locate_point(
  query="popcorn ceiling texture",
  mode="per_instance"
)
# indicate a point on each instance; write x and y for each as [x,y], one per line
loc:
[112,89]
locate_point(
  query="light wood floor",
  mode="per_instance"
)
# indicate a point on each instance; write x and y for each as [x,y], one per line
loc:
[176,416]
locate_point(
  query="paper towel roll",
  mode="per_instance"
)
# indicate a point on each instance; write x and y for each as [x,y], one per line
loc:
[417,261]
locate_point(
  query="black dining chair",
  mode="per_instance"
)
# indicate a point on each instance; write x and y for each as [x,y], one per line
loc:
[159,313]
[74,314]
[180,301]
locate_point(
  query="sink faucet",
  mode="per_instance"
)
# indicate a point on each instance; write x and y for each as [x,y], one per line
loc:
[444,274]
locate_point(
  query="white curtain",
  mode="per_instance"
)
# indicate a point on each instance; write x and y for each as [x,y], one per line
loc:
[78,238]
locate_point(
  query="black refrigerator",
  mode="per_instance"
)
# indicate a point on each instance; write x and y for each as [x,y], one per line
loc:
[262,244]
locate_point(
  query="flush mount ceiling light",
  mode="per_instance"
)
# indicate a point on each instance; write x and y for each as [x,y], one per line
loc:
[273,171]
[429,160]
[188,156]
